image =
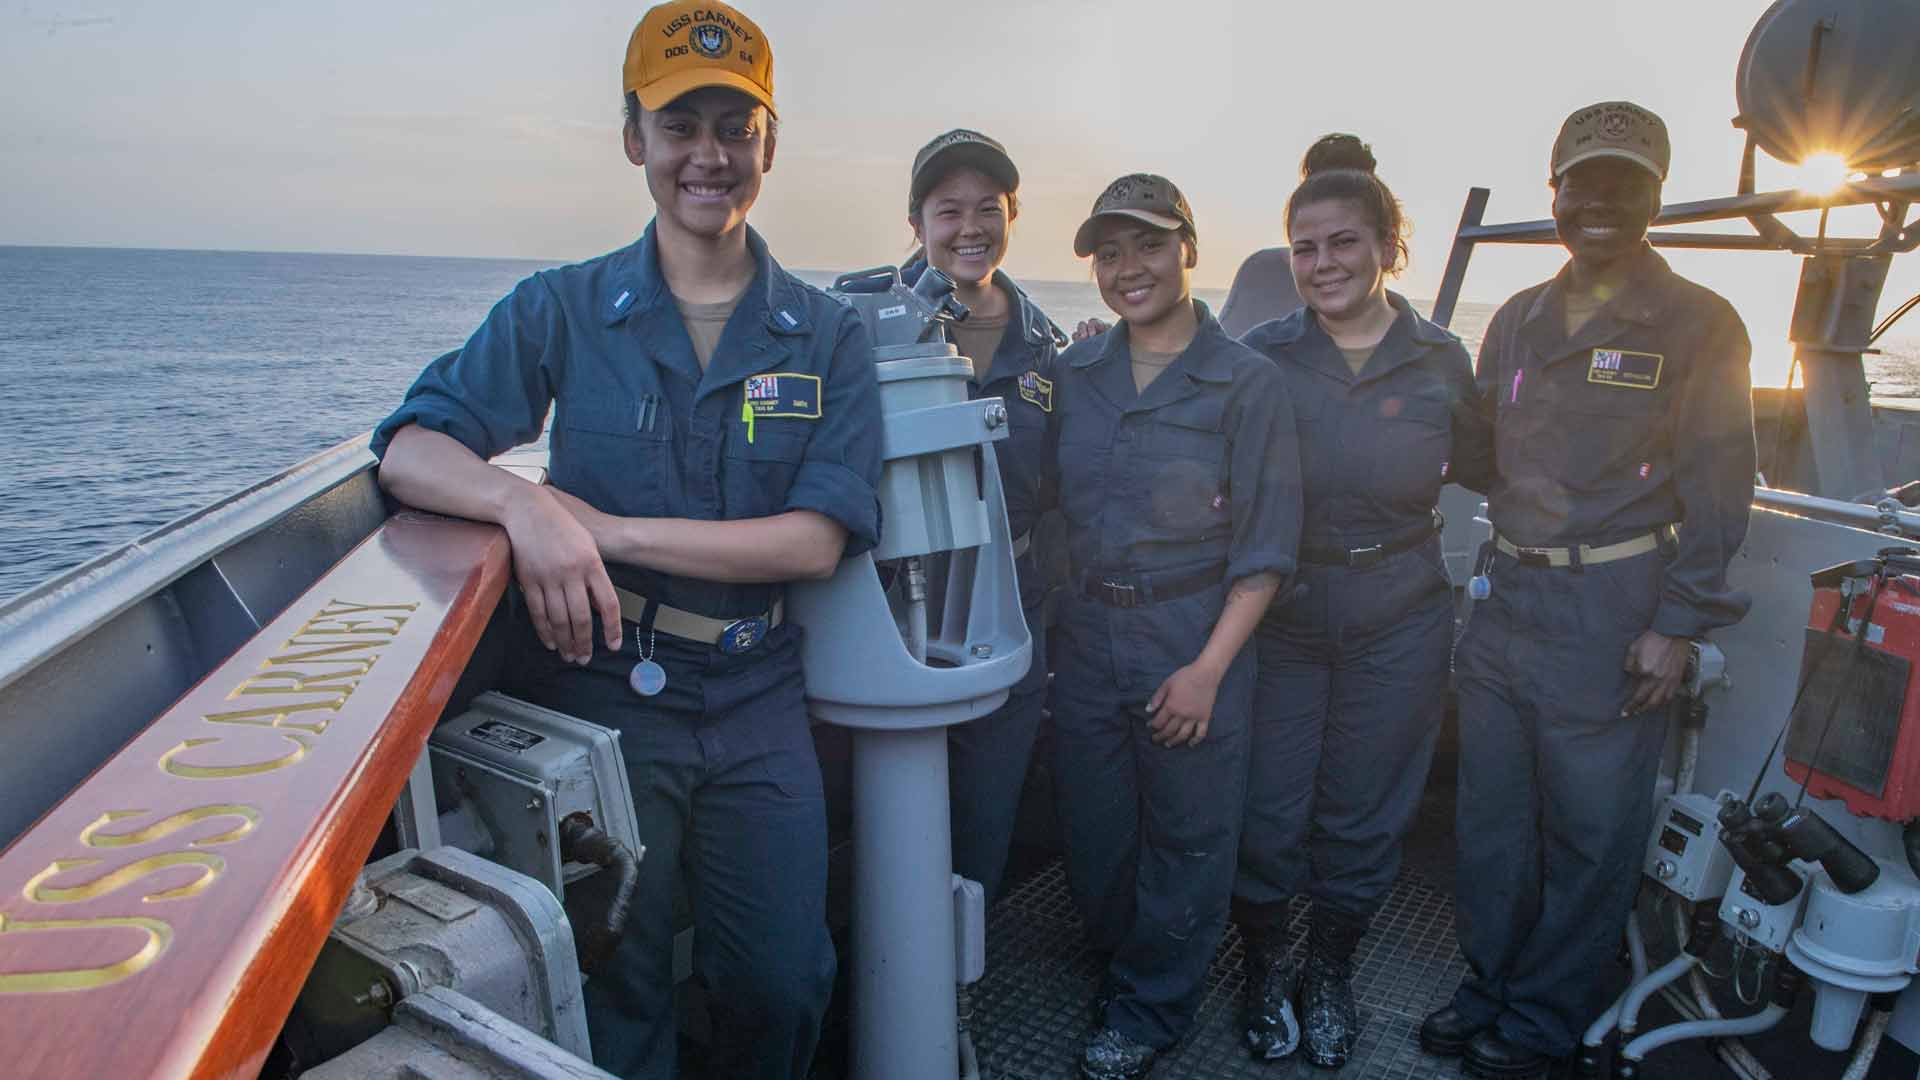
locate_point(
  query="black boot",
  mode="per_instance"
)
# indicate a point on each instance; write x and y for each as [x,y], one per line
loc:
[1328,1020]
[1272,1030]
[1109,1055]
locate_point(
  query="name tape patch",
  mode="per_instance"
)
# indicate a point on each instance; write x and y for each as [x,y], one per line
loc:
[1035,390]
[1618,367]
[785,394]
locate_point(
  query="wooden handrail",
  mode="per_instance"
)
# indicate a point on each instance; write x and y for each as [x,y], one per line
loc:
[161,919]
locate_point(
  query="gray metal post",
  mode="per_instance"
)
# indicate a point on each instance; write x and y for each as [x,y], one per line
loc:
[901,664]
[1832,319]
[904,1022]
[1456,272]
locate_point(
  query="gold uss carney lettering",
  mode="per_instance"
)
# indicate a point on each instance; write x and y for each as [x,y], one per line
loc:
[295,695]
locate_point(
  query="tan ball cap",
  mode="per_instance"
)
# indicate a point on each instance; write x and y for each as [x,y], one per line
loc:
[1613,129]
[684,46]
[1141,196]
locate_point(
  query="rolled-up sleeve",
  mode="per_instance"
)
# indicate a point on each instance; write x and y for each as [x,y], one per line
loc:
[1263,476]
[1714,468]
[492,394]
[840,474]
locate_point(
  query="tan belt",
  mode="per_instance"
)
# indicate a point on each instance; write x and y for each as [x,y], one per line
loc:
[686,624]
[1021,543]
[1589,555]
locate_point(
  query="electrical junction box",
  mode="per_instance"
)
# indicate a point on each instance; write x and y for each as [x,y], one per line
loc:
[1768,926]
[507,773]
[1685,853]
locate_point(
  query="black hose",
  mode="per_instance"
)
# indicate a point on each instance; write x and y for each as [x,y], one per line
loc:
[581,841]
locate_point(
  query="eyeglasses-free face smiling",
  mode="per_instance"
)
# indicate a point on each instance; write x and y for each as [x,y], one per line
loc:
[1339,259]
[1143,272]
[705,154]
[963,223]
[1602,207]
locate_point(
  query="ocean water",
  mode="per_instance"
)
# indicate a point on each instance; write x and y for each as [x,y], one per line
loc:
[136,386]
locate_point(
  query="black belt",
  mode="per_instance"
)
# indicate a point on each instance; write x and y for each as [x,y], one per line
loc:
[1368,556]
[1128,591]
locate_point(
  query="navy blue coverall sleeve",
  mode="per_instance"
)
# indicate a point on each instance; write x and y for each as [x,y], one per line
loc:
[493,394]
[1714,464]
[840,474]
[1023,457]
[1471,464]
[1263,477]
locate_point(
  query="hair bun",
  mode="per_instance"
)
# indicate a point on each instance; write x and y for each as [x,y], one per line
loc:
[1337,151]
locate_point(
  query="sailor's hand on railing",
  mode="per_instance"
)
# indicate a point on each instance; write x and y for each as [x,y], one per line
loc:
[1657,663]
[556,559]
[1183,706]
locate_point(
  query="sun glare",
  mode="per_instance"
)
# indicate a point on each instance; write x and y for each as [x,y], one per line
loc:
[1822,173]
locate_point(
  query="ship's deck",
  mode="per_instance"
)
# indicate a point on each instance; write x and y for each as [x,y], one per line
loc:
[1031,1009]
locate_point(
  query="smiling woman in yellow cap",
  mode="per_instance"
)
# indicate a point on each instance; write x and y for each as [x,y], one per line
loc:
[674,517]
[1174,460]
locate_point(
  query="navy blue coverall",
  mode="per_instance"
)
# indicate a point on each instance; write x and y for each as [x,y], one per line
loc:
[724,777]
[1170,496]
[1353,667]
[987,758]
[1639,420]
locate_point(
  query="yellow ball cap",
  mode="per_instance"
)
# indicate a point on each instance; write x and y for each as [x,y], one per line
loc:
[681,47]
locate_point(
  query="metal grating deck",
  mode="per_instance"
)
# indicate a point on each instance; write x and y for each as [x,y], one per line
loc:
[1030,1011]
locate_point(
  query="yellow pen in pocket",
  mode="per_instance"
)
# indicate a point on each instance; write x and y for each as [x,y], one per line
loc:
[746,415]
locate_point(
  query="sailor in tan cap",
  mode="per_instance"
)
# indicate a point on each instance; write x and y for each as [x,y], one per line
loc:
[1623,436]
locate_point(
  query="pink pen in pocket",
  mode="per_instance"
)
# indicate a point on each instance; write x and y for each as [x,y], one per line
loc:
[1514,397]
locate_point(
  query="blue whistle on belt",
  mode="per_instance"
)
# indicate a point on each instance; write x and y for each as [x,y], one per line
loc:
[1480,585]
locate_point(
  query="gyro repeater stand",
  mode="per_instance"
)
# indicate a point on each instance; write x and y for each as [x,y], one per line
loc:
[923,632]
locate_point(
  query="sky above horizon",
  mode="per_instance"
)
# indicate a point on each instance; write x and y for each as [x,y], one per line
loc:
[490,129]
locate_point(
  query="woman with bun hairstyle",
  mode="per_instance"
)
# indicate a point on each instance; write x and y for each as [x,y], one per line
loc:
[1173,457]
[1353,665]
[961,202]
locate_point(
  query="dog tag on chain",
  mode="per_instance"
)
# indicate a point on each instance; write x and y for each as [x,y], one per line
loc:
[647,678]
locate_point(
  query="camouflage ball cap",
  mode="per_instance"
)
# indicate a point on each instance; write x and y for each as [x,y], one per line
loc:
[1613,129]
[1141,196]
[684,46]
[960,148]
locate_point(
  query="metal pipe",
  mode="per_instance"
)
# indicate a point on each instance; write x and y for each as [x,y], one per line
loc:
[916,632]
[1636,1051]
[1839,512]
[1689,761]
[1639,992]
[1602,1025]
[1878,189]
[1869,1045]
[903,907]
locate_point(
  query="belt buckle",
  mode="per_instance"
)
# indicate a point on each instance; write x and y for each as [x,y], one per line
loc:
[741,635]
[1124,596]
[1533,556]
[1360,558]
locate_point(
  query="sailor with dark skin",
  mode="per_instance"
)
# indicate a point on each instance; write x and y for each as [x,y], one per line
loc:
[1623,442]
[1353,665]
[962,202]
[716,436]
[1172,457]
